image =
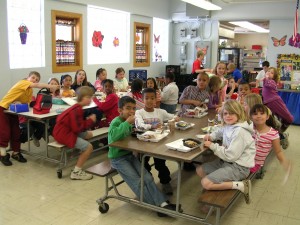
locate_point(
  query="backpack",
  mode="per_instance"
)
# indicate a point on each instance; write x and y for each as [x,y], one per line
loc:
[43,102]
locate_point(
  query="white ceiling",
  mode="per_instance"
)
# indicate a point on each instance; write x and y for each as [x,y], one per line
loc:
[255,1]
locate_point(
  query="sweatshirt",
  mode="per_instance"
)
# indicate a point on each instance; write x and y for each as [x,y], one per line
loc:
[69,124]
[109,107]
[118,130]
[237,146]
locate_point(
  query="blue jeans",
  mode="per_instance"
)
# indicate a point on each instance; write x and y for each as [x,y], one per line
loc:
[129,167]
[169,108]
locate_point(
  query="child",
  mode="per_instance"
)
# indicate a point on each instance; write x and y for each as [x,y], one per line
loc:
[273,101]
[121,83]
[110,106]
[136,93]
[266,137]
[71,130]
[231,89]
[169,95]
[101,75]
[261,75]
[234,72]
[128,165]
[54,81]
[10,130]
[243,90]
[220,71]
[66,90]
[214,86]
[193,96]
[151,83]
[236,155]
[152,118]
[251,100]
[81,80]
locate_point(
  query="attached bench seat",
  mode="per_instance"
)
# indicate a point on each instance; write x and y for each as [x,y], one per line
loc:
[221,200]
[97,135]
[101,169]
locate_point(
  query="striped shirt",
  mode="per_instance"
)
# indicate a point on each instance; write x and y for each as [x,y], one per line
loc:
[138,99]
[192,93]
[263,144]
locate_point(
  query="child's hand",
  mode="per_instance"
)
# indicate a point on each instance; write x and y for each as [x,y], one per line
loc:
[207,137]
[177,118]
[92,117]
[53,88]
[131,119]
[207,144]
[156,126]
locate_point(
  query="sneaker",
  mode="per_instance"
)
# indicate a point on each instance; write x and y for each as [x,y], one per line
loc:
[167,189]
[247,191]
[170,207]
[5,160]
[19,157]
[35,141]
[80,175]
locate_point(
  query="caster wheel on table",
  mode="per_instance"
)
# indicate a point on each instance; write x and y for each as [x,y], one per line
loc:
[59,174]
[103,208]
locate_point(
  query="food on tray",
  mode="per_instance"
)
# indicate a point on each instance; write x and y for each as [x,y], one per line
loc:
[149,136]
[182,124]
[191,143]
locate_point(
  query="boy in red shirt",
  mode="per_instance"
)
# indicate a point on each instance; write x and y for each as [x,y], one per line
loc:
[71,130]
[110,106]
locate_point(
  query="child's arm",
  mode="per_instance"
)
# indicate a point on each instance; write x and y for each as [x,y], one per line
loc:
[80,124]
[279,154]
[42,85]
[118,132]
[108,104]
[139,121]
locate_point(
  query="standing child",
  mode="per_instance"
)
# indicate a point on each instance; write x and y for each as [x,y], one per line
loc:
[214,86]
[151,83]
[220,71]
[10,131]
[71,130]
[121,83]
[193,96]
[101,75]
[274,102]
[66,90]
[110,106]
[151,118]
[136,93]
[126,163]
[169,95]
[266,137]
[236,154]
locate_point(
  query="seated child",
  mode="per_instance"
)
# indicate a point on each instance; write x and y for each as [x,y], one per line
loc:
[54,81]
[121,83]
[152,118]
[214,86]
[243,90]
[235,155]
[136,93]
[266,137]
[101,75]
[169,95]
[126,163]
[110,106]
[231,89]
[66,90]
[193,96]
[71,130]
[151,83]
[234,72]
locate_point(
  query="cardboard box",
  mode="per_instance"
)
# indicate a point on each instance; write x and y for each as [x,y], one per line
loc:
[18,108]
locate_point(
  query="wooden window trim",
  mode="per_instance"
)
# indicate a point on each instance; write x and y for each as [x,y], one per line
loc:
[146,27]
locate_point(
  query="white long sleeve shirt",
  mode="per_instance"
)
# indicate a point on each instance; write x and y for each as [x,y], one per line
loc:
[169,94]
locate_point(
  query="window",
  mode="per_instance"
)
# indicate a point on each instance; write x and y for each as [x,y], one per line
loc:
[141,45]
[160,51]
[26,33]
[107,36]
[66,41]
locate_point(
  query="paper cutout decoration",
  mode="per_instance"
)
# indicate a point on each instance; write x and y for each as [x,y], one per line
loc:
[279,42]
[97,39]
[156,39]
[116,42]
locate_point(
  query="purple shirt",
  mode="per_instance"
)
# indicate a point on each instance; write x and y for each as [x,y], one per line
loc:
[269,91]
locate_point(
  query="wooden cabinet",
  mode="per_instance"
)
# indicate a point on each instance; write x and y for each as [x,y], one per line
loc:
[141,46]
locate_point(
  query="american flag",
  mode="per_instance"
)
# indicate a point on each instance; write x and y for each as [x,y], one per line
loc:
[296,22]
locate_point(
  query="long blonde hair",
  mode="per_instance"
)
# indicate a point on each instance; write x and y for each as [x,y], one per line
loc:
[253,99]
[234,107]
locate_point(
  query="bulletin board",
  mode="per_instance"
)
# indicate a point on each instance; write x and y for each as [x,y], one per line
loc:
[288,66]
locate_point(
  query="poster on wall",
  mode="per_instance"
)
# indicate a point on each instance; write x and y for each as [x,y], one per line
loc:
[288,66]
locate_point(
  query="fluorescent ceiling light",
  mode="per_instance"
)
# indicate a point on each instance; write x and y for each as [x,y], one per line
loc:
[203,4]
[250,26]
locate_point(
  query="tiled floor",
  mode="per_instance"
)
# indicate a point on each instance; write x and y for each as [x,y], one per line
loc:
[32,194]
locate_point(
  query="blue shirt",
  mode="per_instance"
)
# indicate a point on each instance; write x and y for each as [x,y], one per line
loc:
[237,75]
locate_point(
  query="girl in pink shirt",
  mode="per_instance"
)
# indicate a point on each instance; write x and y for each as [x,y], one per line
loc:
[151,83]
[220,71]
[101,75]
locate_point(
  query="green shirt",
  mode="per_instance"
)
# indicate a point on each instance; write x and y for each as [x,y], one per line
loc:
[118,130]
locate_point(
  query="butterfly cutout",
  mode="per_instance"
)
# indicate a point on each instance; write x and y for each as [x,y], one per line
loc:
[156,39]
[280,42]
[204,50]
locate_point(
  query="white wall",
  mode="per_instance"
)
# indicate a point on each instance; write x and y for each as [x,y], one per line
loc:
[247,40]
